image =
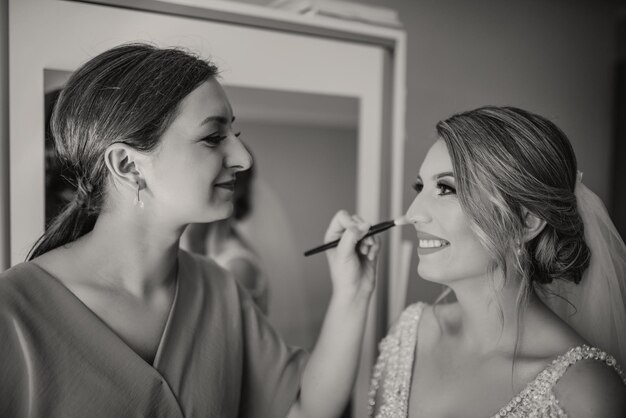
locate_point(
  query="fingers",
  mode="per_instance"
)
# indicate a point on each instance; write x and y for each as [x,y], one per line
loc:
[351,237]
[369,247]
[341,222]
[357,218]
[365,244]
[350,230]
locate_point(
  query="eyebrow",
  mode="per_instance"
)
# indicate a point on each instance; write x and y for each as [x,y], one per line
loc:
[444,174]
[440,175]
[221,119]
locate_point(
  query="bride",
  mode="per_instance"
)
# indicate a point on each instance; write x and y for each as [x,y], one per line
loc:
[504,221]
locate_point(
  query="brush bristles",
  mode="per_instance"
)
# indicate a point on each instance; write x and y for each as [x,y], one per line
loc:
[401,221]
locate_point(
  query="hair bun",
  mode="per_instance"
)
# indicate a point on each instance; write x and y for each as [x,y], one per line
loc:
[558,257]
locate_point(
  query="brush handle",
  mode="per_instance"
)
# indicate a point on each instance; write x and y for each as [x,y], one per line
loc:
[374,229]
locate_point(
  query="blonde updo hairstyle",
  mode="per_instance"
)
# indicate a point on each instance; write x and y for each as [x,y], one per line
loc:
[507,161]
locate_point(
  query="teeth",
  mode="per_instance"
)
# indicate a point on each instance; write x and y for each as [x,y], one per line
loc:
[432,243]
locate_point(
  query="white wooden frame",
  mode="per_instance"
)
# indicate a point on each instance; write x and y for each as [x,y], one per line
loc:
[61,34]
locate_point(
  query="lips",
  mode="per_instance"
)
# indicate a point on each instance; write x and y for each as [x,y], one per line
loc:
[228,185]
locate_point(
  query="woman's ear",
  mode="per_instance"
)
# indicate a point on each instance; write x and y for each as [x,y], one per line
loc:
[124,165]
[533,225]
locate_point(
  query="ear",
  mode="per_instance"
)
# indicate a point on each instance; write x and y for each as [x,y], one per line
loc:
[533,225]
[124,165]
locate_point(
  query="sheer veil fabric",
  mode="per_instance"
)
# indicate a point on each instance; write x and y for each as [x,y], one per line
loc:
[596,307]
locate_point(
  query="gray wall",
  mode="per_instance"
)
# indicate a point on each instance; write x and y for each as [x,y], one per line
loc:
[619,156]
[4,135]
[304,174]
[554,57]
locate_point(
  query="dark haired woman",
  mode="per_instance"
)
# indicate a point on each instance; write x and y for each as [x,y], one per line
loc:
[498,218]
[108,318]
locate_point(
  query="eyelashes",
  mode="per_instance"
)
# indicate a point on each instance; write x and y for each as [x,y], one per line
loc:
[214,140]
[443,189]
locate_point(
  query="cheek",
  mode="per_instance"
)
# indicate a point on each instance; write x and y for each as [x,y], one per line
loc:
[466,257]
[213,167]
[464,260]
[470,256]
[170,182]
[189,168]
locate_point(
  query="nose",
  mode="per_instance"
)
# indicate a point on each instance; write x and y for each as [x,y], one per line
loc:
[418,210]
[236,155]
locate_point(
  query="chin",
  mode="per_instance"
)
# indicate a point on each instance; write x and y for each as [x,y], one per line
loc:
[432,273]
[213,214]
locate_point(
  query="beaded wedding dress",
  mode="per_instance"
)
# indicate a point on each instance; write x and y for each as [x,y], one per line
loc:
[391,380]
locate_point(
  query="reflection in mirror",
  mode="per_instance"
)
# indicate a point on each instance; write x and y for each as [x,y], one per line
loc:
[305,151]
[59,189]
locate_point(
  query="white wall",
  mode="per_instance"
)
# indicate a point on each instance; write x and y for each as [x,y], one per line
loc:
[551,57]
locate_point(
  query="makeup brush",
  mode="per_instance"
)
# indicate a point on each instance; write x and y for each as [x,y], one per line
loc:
[374,229]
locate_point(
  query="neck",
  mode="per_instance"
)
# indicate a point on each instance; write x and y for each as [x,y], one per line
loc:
[217,233]
[487,318]
[135,255]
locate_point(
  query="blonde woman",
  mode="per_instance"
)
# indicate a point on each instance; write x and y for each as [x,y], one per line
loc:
[497,213]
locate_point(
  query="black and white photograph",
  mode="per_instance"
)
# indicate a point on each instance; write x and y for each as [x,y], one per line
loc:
[312,209]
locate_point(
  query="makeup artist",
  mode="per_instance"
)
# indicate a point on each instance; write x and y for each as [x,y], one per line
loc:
[108,318]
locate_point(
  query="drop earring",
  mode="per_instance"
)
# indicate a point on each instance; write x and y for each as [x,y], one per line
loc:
[138,201]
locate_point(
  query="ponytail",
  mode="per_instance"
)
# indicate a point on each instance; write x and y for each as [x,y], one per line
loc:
[77,218]
[68,226]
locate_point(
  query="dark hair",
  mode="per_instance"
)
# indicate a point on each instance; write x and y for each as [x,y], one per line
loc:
[128,94]
[59,188]
[507,160]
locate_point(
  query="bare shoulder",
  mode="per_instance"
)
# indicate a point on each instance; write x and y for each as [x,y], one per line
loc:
[590,388]
[427,321]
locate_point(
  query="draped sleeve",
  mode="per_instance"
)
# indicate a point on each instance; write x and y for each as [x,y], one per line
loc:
[271,370]
[263,370]
[58,360]
[218,355]
[14,360]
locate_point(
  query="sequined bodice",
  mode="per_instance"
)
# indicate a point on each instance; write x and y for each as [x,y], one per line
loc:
[395,364]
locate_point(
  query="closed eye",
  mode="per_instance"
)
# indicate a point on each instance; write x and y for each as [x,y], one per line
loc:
[213,140]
